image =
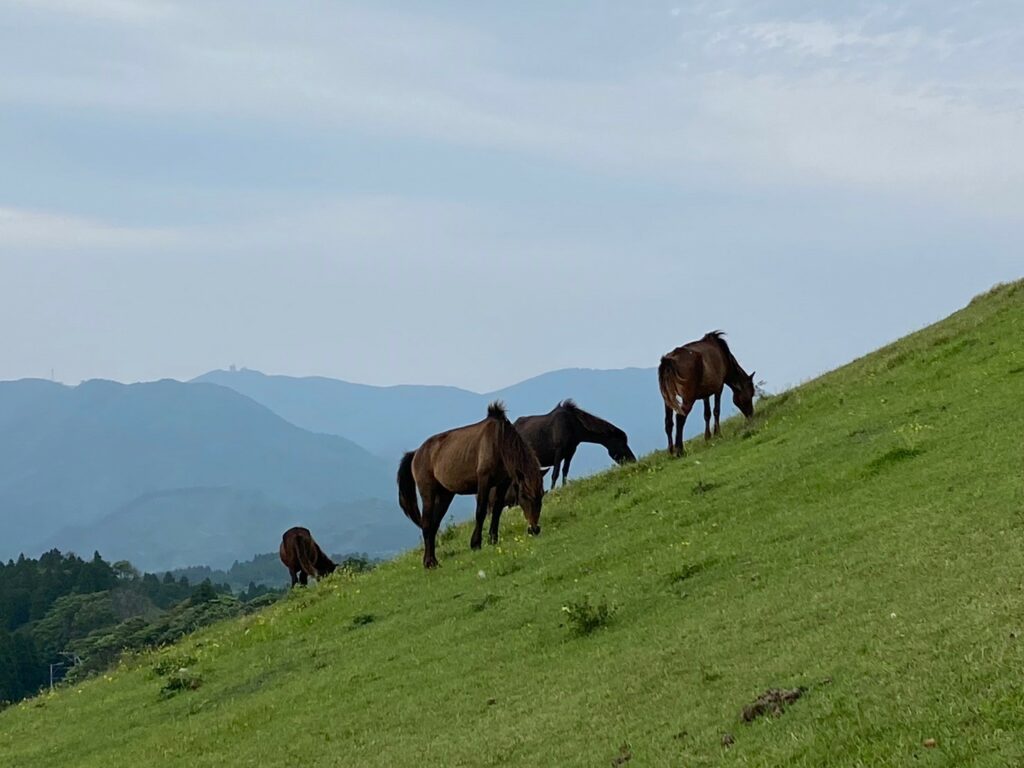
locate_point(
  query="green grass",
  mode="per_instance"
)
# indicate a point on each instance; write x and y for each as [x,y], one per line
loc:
[862,538]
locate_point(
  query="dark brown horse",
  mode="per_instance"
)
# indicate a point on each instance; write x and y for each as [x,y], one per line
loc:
[303,557]
[481,458]
[555,436]
[696,371]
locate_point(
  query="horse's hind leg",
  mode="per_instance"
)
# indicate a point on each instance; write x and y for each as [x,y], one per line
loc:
[496,509]
[668,429]
[718,411]
[707,418]
[292,573]
[435,505]
[680,423]
[303,578]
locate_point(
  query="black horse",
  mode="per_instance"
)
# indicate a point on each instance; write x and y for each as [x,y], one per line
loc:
[555,436]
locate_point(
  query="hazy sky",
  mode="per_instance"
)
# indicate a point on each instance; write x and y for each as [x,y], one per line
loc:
[472,193]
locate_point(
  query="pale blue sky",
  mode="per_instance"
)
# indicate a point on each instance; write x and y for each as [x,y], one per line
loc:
[473,193]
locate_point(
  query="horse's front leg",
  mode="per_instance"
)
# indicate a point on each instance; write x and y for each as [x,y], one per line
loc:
[482,496]
[554,470]
[565,465]
[496,510]
[707,418]
[718,411]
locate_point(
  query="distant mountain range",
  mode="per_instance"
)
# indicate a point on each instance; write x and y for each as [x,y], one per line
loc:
[390,420]
[148,468]
[170,474]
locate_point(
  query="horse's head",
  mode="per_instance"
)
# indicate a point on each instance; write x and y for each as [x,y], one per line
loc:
[743,394]
[530,495]
[618,449]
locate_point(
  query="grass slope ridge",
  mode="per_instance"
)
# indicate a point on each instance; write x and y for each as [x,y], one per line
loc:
[862,539]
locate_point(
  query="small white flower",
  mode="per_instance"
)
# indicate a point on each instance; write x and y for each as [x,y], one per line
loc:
[892,615]
[481,574]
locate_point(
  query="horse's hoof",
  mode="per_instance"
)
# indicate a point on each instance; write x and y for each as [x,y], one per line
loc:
[533,530]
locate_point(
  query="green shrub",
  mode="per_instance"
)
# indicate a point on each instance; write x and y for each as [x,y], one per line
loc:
[585,617]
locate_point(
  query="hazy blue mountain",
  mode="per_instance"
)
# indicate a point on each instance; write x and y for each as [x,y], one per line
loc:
[150,469]
[390,420]
[384,420]
[216,526]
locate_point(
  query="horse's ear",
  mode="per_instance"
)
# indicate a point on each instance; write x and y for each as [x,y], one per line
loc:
[752,376]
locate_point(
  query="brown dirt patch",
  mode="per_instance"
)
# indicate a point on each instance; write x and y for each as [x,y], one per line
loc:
[772,702]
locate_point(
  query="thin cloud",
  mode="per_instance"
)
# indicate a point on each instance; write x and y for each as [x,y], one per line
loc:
[22,229]
[878,125]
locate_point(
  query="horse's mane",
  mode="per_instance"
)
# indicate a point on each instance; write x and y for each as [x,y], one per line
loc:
[516,454]
[718,337]
[589,421]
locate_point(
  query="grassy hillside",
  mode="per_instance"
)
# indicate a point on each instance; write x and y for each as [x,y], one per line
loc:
[862,538]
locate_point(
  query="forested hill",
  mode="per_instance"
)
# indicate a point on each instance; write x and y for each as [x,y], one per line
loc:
[63,610]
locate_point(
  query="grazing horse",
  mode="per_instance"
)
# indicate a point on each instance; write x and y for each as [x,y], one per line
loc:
[556,435]
[696,371]
[486,459]
[303,557]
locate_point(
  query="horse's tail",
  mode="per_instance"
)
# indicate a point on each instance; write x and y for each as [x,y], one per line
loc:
[670,381]
[407,490]
[666,382]
[305,553]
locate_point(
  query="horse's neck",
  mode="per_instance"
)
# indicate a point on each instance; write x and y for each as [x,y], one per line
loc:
[587,434]
[734,375]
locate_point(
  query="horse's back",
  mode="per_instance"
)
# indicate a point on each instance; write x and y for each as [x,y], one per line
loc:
[454,458]
[714,365]
[544,433]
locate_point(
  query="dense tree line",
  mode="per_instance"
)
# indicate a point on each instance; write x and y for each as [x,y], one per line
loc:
[63,610]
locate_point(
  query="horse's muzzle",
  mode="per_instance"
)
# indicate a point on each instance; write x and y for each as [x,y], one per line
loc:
[533,530]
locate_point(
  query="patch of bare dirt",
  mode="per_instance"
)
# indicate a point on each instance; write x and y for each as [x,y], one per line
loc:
[772,702]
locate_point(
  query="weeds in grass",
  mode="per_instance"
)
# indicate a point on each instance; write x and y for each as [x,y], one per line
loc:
[169,664]
[702,487]
[585,617]
[709,673]
[892,456]
[485,602]
[362,620]
[687,571]
[179,680]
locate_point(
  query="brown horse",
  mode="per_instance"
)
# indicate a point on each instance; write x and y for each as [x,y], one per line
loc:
[475,459]
[303,557]
[555,436]
[696,371]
